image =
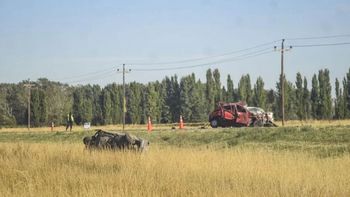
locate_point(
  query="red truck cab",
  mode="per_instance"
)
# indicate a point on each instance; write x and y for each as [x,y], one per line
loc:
[230,114]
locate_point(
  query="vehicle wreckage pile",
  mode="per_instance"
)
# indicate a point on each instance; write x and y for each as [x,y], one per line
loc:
[240,115]
[115,141]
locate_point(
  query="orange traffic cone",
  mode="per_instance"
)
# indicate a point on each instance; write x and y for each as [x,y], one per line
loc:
[149,124]
[181,125]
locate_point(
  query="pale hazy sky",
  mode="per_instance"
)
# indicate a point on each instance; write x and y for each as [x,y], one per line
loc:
[82,41]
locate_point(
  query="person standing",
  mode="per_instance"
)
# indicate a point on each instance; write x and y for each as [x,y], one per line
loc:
[70,120]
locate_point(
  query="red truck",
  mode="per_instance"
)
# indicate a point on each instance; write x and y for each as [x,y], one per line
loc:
[239,115]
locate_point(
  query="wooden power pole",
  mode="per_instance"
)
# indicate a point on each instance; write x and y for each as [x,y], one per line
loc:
[124,100]
[282,79]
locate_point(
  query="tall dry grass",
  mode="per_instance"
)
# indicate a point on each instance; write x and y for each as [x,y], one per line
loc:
[69,170]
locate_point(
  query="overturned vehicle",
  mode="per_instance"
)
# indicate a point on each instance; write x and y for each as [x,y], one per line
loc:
[239,115]
[115,141]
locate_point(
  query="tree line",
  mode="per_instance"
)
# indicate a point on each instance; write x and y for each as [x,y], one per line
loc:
[164,101]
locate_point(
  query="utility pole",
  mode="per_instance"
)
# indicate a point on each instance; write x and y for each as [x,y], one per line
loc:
[282,77]
[124,100]
[29,86]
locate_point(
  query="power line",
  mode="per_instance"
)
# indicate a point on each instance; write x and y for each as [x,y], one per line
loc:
[238,58]
[87,74]
[208,57]
[320,37]
[92,78]
[322,45]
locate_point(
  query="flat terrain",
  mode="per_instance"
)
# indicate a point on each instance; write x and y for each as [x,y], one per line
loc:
[309,160]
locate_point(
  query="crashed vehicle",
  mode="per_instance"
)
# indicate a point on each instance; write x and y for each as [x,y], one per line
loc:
[260,118]
[115,141]
[239,115]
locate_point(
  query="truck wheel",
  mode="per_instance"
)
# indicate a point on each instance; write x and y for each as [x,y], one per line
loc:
[214,123]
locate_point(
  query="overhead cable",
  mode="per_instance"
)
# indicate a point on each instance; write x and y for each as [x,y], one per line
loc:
[322,45]
[238,58]
[320,37]
[204,58]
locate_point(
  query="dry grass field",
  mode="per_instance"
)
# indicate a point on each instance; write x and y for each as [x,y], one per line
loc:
[53,169]
[302,159]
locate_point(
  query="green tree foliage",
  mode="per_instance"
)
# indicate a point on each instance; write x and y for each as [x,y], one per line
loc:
[38,107]
[133,100]
[106,107]
[325,101]
[192,100]
[77,105]
[217,86]
[315,100]
[97,117]
[165,101]
[82,104]
[210,91]
[117,103]
[245,89]
[186,86]
[338,101]
[346,94]
[270,100]
[289,100]
[306,101]
[259,98]
[299,95]
[198,102]
[152,107]
[17,97]
[6,115]
[230,97]
[59,100]
[172,98]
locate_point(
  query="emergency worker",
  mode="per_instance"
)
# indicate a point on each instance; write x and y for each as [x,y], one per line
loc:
[70,120]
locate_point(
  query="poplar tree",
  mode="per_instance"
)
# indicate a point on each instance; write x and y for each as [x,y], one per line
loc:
[185,102]
[306,101]
[230,90]
[106,107]
[198,101]
[217,86]
[338,102]
[245,89]
[289,100]
[209,91]
[315,100]
[346,94]
[172,99]
[259,98]
[325,102]
[152,107]
[299,97]
[96,105]
[133,95]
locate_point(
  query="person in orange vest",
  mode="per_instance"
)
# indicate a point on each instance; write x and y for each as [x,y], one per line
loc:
[70,120]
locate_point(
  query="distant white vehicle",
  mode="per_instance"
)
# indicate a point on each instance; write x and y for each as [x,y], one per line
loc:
[87,125]
[257,111]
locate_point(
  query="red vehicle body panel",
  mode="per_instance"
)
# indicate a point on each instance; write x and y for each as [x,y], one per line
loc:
[230,114]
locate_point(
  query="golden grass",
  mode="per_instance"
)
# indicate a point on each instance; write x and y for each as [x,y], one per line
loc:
[49,169]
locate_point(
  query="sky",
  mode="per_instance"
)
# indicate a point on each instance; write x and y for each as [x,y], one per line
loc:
[86,41]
